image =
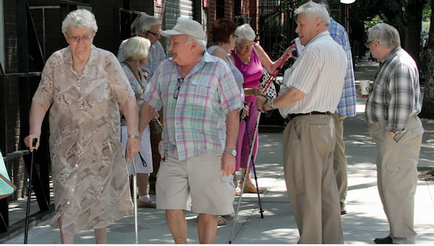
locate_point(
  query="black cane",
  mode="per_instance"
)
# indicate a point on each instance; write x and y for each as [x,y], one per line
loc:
[26,230]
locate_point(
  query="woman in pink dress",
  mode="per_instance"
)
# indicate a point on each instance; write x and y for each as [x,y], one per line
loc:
[250,59]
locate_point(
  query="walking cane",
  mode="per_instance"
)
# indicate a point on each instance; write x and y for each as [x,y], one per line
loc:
[252,157]
[267,84]
[136,227]
[26,229]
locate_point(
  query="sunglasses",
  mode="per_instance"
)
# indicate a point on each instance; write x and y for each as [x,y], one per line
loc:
[178,86]
[155,34]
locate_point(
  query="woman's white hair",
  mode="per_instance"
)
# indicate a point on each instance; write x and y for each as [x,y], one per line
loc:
[136,48]
[313,11]
[245,31]
[385,34]
[79,18]
[143,22]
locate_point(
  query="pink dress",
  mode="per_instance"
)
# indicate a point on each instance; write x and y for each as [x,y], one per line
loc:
[252,73]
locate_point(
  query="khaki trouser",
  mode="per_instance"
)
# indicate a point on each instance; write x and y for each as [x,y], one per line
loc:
[340,160]
[308,145]
[397,175]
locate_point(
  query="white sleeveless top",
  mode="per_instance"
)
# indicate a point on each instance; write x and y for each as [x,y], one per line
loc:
[237,74]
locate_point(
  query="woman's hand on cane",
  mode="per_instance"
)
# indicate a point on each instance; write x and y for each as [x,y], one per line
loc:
[28,141]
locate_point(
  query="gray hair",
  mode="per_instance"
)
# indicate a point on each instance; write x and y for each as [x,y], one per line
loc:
[201,42]
[136,48]
[385,34]
[245,31]
[79,18]
[143,22]
[314,10]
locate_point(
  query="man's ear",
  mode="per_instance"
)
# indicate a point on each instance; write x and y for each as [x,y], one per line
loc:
[318,23]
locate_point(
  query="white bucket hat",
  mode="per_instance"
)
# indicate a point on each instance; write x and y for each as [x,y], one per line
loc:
[186,26]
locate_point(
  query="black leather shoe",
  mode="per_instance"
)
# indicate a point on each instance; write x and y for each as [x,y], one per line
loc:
[386,240]
[343,212]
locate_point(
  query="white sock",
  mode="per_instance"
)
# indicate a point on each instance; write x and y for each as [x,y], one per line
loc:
[144,198]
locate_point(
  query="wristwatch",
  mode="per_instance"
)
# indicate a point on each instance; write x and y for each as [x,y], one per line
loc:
[270,104]
[232,151]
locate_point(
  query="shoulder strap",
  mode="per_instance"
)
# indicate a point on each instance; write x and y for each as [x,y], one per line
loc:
[135,75]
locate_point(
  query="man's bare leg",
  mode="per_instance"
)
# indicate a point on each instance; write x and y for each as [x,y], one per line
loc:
[207,228]
[177,225]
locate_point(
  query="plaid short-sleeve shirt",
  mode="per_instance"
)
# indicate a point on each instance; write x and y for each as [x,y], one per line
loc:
[195,122]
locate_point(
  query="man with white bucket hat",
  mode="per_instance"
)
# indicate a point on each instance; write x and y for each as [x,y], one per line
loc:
[200,99]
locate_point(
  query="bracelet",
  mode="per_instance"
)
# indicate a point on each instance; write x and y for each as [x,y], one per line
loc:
[133,136]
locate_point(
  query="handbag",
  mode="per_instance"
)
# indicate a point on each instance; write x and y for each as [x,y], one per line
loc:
[6,186]
[155,126]
[271,90]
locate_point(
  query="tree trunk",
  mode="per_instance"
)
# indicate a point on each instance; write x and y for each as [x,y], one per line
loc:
[428,99]
[413,28]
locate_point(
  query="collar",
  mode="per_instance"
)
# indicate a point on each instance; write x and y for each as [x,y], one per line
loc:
[391,54]
[320,35]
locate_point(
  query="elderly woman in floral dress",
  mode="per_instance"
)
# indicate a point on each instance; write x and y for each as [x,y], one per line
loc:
[84,85]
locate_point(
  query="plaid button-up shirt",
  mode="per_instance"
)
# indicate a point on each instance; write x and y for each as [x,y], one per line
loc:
[396,91]
[195,123]
[347,104]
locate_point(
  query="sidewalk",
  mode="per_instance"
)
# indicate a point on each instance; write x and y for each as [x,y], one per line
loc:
[365,219]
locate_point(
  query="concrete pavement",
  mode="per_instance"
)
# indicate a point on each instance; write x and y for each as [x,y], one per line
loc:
[365,219]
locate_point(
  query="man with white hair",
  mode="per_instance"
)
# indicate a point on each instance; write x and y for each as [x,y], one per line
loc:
[200,99]
[148,27]
[310,93]
[391,111]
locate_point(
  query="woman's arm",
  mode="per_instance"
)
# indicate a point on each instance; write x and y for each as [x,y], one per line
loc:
[37,114]
[131,113]
[266,62]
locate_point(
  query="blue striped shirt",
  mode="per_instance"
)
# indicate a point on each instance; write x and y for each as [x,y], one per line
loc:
[347,104]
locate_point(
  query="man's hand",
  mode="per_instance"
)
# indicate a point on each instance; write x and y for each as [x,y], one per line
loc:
[146,75]
[392,134]
[228,163]
[133,147]
[362,96]
[260,101]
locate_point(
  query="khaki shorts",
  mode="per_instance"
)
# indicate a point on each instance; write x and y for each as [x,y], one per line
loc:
[199,177]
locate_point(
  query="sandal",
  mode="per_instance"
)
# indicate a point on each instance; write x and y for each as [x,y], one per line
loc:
[251,188]
[220,220]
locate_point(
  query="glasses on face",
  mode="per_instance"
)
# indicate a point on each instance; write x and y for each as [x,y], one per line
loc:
[367,44]
[246,47]
[178,86]
[236,36]
[155,34]
[75,39]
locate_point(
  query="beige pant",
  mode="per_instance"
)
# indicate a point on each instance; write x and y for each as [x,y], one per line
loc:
[308,145]
[340,160]
[397,175]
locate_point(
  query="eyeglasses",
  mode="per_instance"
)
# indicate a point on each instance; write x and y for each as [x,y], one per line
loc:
[367,44]
[236,36]
[77,39]
[246,47]
[155,34]
[178,86]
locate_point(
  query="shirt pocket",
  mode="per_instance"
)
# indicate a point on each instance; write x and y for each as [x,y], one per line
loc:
[200,94]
